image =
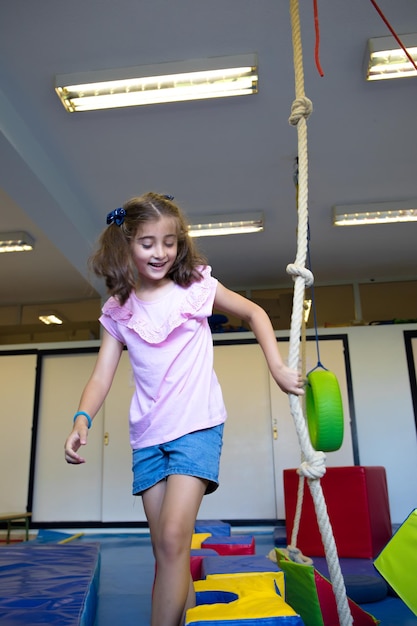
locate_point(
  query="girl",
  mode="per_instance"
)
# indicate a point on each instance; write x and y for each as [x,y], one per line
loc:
[162,293]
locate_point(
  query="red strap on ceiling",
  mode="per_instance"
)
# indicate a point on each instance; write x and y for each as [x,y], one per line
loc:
[384,19]
[317,46]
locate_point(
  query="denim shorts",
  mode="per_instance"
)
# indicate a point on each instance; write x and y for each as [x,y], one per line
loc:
[196,454]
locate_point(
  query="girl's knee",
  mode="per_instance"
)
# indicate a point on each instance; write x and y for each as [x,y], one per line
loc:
[172,541]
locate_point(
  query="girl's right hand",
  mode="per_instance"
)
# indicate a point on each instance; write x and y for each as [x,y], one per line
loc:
[76,439]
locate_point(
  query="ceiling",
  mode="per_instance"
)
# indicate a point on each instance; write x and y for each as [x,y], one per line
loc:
[61,173]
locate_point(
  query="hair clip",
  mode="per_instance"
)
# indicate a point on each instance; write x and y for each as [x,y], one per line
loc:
[167,197]
[116,217]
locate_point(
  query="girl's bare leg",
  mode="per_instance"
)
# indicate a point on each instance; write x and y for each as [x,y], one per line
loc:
[171,508]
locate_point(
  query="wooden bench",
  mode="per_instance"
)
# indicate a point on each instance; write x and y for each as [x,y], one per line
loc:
[16,521]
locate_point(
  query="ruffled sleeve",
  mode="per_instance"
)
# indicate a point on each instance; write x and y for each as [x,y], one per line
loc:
[111,312]
[154,321]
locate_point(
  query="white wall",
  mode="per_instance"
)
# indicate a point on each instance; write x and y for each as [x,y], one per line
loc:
[384,411]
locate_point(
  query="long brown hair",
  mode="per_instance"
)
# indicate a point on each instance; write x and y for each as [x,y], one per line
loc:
[113,258]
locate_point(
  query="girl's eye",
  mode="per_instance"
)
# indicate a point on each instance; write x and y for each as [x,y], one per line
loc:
[147,245]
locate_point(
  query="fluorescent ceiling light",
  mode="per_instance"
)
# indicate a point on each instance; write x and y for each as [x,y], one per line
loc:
[375,213]
[386,59]
[18,241]
[216,77]
[214,225]
[50,318]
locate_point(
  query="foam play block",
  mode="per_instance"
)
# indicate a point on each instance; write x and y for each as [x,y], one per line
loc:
[235,544]
[358,508]
[197,558]
[398,561]
[234,564]
[197,539]
[214,527]
[242,599]
[362,581]
[311,595]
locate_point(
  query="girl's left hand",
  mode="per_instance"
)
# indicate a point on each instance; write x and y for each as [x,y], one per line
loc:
[289,380]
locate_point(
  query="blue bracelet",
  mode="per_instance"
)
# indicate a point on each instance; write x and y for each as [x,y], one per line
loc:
[89,420]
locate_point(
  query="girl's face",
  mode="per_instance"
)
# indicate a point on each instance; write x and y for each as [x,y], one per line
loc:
[155,248]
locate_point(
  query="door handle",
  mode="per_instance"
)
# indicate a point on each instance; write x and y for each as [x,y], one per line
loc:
[106,439]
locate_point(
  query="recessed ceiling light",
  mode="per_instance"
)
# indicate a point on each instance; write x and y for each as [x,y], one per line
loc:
[215,225]
[51,318]
[17,241]
[375,213]
[386,59]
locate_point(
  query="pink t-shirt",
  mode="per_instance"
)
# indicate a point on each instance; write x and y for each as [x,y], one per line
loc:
[171,352]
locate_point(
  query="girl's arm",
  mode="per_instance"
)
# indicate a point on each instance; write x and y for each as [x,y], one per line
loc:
[94,394]
[227,301]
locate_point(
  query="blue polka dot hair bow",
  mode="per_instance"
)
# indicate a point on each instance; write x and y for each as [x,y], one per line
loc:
[116,217]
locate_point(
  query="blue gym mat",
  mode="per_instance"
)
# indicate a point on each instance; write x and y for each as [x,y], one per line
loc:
[49,584]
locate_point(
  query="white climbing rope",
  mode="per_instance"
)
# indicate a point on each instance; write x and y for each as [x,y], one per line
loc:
[313,465]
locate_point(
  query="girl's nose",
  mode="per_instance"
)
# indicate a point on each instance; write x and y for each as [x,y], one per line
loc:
[159,251]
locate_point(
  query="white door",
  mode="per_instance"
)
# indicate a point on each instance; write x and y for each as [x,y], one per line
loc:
[64,492]
[287,452]
[246,476]
[119,505]
[17,392]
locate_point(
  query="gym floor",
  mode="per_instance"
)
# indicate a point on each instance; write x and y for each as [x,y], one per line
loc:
[127,570]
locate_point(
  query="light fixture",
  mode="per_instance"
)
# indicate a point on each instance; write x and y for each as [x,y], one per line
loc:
[214,77]
[51,318]
[214,225]
[375,213]
[18,241]
[386,59]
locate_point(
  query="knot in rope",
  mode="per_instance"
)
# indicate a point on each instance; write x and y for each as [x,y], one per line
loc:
[314,468]
[296,556]
[301,107]
[298,270]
